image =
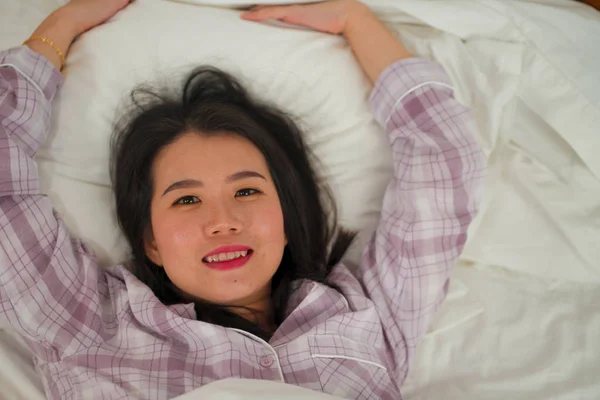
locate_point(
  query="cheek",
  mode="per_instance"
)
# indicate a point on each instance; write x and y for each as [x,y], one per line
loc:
[175,234]
[267,222]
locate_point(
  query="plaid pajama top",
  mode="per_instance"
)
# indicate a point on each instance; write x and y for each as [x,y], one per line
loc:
[102,334]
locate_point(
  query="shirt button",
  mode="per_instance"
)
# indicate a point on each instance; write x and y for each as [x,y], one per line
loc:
[266,361]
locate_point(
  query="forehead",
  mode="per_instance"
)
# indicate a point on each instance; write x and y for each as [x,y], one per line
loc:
[204,157]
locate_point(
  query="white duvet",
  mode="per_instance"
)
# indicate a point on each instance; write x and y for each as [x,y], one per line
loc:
[522,320]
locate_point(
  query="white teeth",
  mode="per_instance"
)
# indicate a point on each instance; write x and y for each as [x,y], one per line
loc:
[232,255]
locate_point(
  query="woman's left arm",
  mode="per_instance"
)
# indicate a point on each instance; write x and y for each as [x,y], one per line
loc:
[428,205]
[438,169]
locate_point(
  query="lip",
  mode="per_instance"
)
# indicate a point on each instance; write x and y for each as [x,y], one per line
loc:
[232,264]
[227,265]
[228,249]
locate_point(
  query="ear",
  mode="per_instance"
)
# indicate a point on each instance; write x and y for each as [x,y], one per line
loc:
[150,248]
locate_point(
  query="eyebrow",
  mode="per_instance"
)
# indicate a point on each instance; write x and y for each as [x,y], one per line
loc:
[193,183]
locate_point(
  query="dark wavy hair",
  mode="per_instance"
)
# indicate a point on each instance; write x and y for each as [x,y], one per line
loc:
[213,102]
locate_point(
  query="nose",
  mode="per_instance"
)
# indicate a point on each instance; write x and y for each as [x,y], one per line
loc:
[221,221]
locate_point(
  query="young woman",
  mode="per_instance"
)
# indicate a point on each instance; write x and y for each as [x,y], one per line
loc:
[231,272]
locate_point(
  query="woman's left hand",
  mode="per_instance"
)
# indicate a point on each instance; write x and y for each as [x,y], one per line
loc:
[375,47]
[330,16]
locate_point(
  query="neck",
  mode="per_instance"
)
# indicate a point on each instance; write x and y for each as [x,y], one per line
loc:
[259,312]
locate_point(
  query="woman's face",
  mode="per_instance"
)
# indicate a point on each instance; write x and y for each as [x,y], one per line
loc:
[215,200]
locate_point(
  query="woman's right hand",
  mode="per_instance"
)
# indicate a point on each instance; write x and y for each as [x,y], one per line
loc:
[86,14]
[69,21]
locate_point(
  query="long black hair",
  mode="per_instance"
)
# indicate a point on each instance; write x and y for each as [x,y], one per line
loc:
[211,102]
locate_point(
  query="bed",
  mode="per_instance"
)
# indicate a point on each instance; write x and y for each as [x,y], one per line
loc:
[522,319]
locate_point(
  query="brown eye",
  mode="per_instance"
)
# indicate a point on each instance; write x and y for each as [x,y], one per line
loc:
[246,192]
[186,200]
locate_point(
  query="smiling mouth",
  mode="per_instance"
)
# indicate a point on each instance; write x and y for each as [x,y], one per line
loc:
[228,256]
[228,260]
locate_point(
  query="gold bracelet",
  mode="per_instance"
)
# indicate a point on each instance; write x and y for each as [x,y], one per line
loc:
[51,44]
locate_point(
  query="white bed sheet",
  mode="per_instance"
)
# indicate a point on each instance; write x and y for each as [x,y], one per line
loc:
[521,320]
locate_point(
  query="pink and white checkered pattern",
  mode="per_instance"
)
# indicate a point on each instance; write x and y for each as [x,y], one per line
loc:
[102,334]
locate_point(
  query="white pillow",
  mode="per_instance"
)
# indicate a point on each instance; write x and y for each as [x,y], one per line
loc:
[253,389]
[309,74]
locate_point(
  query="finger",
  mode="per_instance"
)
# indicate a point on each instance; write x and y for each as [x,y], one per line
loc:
[266,13]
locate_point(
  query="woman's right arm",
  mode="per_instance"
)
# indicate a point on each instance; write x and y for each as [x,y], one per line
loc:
[50,285]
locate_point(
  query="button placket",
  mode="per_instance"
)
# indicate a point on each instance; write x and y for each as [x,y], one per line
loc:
[266,361]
